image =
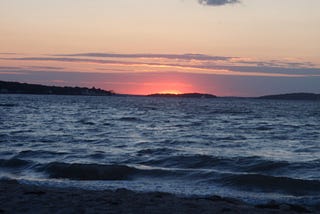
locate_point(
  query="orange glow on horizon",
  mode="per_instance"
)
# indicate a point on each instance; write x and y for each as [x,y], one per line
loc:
[176,92]
[163,87]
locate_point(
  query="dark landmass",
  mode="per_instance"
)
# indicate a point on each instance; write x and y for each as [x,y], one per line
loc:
[25,88]
[187,95]
[292,96]
[22,198]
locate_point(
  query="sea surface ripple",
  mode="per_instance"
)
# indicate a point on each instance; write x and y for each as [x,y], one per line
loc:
[252,149]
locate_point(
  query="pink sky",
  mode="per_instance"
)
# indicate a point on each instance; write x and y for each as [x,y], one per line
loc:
[246,48]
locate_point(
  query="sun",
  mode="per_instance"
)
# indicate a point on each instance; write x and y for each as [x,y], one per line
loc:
[162,86]
[176,92]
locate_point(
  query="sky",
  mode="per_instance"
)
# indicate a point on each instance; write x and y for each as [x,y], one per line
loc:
[222,47]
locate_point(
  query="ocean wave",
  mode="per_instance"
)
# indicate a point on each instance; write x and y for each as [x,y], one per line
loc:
[194,161]
[78,171]
[264,128]
[227,143]
[267,165]
[86,122]
[14,163]
[8,105]
[170,143]
[39,153]
[156,151]
[246,164]
[4,137]
[266,183]
[231,138]
[231,111]
[130,119]
[97,155]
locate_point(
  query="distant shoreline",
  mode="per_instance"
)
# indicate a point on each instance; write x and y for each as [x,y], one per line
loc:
[185,95]
[25,88]
[292,96]
[37,89]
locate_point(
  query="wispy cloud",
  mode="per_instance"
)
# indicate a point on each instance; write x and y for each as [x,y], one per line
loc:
[267,69]
[7,53]
[61,59]
[225,68]
[152,56]
[44,67]
[9,67]
[187,57]
[278,63]
[151,62]
[217,2]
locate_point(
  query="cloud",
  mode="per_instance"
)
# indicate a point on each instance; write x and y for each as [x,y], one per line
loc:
[7,53]
[152,56]
[191,63]
[236,70]
[65,59]
[45,67]
[184,57]
[218,2]
[303,71]
[279,63]
[8,67]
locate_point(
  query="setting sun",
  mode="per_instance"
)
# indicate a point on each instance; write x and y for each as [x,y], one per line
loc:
[159,84]
[176,92]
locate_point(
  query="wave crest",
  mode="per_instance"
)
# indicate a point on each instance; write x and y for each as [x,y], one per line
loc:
[77,171]
[297,187]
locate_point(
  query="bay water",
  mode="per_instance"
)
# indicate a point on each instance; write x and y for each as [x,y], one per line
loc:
[252,149]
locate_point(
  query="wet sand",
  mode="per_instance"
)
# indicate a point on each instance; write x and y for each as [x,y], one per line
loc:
[21,198]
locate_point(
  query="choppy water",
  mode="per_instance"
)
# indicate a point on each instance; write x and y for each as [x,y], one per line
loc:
[251,149]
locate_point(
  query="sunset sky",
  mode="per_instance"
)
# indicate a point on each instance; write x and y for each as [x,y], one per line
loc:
[223,47]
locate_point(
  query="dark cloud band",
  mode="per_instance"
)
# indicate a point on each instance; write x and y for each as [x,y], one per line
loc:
[265,68]
[151,56]
[218,2]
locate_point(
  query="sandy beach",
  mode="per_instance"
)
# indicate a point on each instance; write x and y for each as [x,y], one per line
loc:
[21,198]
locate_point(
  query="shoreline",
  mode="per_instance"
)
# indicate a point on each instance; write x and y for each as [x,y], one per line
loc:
[23,198]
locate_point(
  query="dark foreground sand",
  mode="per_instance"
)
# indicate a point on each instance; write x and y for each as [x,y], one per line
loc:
[20,198]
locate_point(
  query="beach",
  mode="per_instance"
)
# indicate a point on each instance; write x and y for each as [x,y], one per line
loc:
[22,198]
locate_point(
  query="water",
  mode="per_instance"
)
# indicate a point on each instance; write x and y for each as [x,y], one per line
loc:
[255,150]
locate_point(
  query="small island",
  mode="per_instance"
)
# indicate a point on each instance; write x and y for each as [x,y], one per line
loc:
[292,96]
[186,95]
[25,88]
